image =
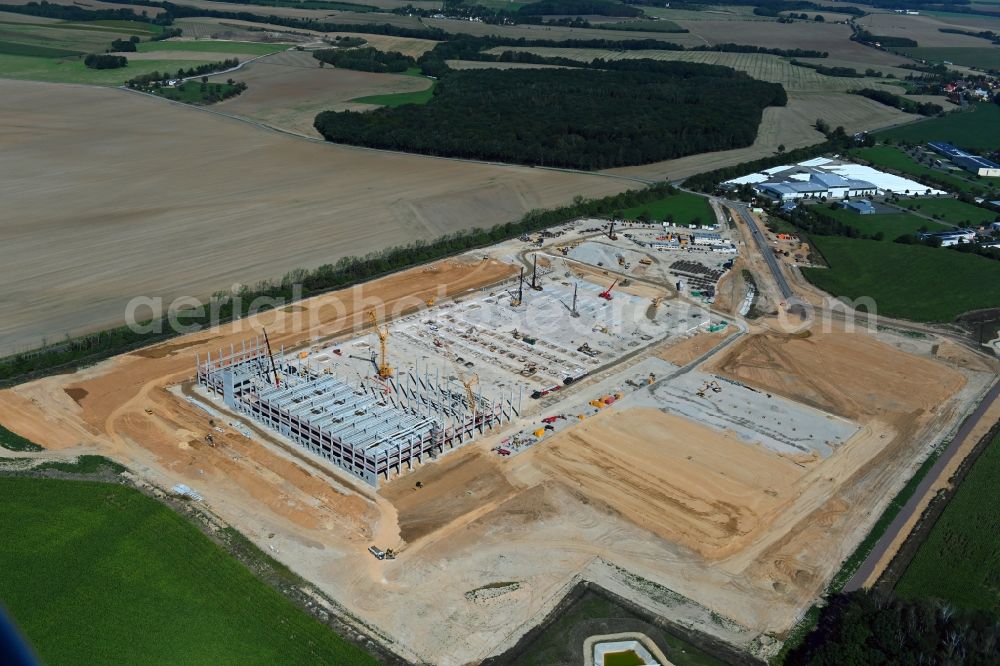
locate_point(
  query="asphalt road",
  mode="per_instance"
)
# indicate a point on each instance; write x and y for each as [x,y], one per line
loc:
[765,251]
[910,508]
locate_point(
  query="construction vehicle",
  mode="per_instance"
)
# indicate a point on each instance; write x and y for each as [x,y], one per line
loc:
[534,275]
[551,419]
[377,552]
[430,301]
[606,294]
[539,433]
[713,385]
[384,369]
[621,260]
[611,232]
[646,262]
[651,378]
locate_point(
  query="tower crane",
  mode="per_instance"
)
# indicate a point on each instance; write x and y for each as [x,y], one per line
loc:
[384,369]
[466,383]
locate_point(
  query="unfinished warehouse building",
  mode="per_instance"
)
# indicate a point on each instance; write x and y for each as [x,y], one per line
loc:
[370,426]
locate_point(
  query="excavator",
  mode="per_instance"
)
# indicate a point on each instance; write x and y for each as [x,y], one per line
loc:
[384,369]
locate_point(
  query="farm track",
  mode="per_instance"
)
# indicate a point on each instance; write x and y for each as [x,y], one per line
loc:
[912,505]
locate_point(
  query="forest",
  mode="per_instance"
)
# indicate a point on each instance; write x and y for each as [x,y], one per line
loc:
[901,103]
[863,628]
[367,59]
[570,118]
[104,61]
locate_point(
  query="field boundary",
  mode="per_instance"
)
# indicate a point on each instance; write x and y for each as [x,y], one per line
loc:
[280,130]
[899,564]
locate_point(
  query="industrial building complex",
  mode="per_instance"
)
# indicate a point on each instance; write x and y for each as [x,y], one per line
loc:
[825,178]
[971,163]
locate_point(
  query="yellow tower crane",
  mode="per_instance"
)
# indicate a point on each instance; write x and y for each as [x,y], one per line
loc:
[384,369]
[468,384]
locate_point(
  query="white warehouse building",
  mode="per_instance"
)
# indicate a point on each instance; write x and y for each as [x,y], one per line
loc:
[827,178]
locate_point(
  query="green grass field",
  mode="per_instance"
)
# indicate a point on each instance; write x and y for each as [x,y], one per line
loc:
[399,99]
[98,573]
[14,442]
[977,129]
[960,561]
[116,26]
[983,57]
[684,207]
[894,158]
[211,46]
[74,71]
[36,51]
[892,225]
[952,210]
[908,281]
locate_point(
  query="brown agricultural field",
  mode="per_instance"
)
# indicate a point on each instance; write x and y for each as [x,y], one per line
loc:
[89,4]
[926,30]
[790,126]
[169,200]
[830,37]
[287,90]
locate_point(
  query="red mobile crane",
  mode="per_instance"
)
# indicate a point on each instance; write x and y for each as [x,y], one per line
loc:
[606,294]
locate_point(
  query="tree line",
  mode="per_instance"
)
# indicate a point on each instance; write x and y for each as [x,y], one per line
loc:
[866,37]
[901,103]
[124,45]
[144,81]
[87,349]
[570,117]
[104,61]
[367,59]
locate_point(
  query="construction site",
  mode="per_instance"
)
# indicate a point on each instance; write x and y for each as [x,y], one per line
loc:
[448,455]
[377,404]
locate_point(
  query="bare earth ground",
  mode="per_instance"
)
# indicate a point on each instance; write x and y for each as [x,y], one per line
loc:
[180,201]
[288,89]
[745,532]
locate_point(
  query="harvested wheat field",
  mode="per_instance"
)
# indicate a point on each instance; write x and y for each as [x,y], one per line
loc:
[760,66]
[926,30]
[186,202]
[791,126]
[833,38]
[286,90]
[91,5]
